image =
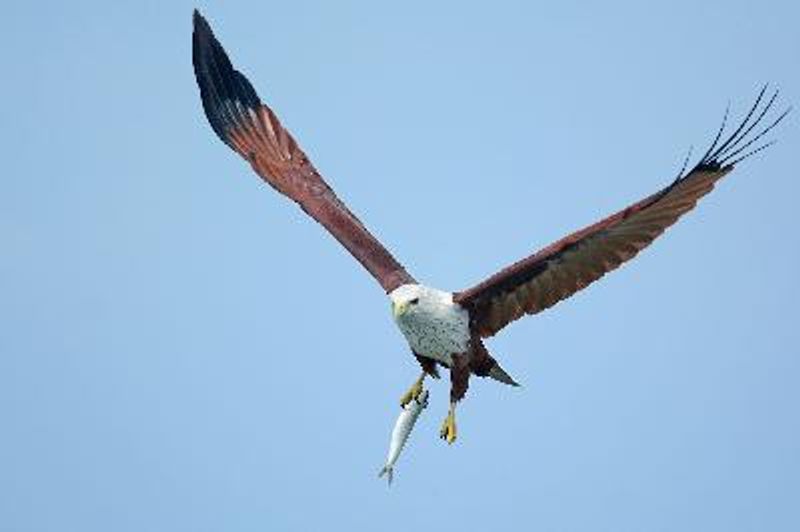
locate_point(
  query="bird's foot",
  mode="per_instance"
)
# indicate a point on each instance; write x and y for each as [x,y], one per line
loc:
[413,393]
[448,432]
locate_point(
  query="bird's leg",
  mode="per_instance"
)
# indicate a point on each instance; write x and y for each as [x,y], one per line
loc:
[448,432]
[459,381]
[413,392]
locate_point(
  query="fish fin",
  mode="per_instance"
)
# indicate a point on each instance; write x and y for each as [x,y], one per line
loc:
[389,472]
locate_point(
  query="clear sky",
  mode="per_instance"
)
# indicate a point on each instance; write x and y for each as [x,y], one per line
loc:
[181,349]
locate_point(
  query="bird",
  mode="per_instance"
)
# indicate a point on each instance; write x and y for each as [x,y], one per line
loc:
[447,329]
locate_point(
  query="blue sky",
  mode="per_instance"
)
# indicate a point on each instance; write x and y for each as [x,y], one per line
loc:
[182,349]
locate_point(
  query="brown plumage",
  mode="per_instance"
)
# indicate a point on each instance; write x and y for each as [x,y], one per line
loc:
[572,263]
[554,273]
[444,328]
[251,128]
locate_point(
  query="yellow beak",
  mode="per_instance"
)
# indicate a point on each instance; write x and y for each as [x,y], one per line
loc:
[398,309]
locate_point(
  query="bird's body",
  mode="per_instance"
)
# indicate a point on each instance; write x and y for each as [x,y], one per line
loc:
[439,331]
[435,326]
[443,328]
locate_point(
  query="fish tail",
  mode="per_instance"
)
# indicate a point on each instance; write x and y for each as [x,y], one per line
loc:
[389,472]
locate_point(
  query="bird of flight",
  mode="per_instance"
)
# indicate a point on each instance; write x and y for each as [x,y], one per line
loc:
[443,328]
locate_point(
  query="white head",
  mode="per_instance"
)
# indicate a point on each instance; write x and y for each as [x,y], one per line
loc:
[434,326]
[413,302]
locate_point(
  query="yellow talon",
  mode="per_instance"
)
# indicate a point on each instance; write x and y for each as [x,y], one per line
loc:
[412,393]
[448,431]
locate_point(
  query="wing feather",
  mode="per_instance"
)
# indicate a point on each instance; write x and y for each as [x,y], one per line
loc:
[250,128]
[577,260]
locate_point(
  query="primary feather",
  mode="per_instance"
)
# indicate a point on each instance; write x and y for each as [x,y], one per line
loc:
[559,270]
[249,127]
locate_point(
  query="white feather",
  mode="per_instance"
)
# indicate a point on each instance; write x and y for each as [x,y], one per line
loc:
[434,326]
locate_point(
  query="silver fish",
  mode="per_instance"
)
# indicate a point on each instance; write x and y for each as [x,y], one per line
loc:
[402,430]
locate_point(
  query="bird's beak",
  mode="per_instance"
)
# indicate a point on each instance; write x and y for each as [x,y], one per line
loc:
[398,309]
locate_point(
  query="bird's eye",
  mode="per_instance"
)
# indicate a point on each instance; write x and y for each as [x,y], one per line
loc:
[414,301]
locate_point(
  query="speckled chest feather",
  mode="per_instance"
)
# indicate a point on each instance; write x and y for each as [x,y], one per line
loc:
[434,326]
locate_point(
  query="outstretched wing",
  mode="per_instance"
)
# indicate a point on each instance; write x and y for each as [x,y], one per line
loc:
[564,267]
[251,128]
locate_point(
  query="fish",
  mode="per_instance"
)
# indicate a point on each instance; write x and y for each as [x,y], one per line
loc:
[402,430]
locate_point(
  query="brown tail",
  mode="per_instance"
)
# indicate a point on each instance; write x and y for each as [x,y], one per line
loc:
[499,374]
[483,364]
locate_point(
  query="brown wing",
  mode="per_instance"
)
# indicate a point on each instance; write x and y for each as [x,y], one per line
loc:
[251,128]
[564,267]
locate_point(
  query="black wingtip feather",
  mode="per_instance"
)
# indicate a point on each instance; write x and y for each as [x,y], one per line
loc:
[226,94]
[724,155]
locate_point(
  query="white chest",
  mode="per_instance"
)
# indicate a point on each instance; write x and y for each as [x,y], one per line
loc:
[436,328]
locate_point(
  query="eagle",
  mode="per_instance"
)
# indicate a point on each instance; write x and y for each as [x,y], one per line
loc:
[447,329]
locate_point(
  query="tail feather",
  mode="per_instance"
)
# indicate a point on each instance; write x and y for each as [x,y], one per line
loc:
[499,374]
[484,365]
